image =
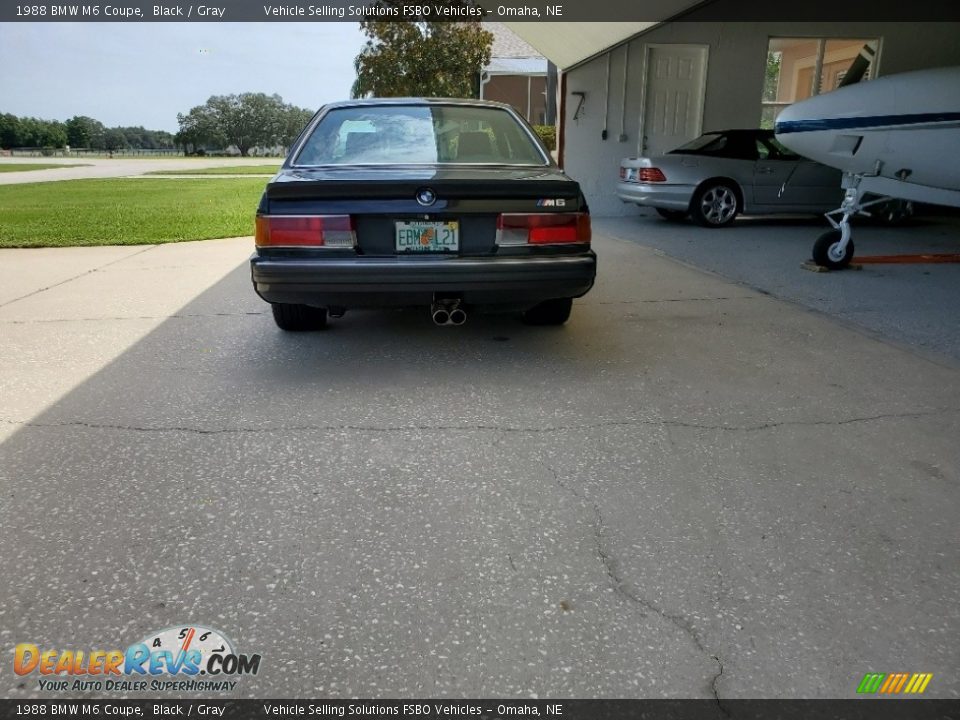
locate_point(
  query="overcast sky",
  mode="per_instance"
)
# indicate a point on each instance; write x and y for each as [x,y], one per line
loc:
[145,73]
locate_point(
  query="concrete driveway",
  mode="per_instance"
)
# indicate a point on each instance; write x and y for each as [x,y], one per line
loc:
[691,490]
[908,303]
[83,168]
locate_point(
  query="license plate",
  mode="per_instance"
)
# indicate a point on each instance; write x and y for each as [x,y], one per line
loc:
[631,174]
[428,236]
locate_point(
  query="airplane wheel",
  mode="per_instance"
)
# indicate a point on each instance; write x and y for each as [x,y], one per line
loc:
[826,251]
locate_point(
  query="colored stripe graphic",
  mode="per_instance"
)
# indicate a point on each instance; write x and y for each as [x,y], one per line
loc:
[862,123]
[889,683]
[900,682]
[871,682]
[894,683]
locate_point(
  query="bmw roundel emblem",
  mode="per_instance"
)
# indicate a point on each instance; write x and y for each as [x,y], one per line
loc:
[426,196]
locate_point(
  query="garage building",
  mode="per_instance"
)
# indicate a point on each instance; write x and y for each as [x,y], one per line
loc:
[644,88]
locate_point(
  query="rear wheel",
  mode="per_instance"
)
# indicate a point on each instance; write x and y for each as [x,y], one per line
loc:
[671,214]
[297,318]
[549,312]
[716,204]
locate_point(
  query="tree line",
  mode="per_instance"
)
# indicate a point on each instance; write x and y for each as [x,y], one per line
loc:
[78,132]
[244,121]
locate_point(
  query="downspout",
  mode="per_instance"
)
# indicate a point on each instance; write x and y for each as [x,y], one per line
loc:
[562,119]
[484,79]
[623,96]
[529,90]
[606,101]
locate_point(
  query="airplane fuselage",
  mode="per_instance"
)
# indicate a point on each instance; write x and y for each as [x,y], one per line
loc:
[903,127]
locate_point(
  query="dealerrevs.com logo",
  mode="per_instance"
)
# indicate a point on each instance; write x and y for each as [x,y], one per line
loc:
[181,658]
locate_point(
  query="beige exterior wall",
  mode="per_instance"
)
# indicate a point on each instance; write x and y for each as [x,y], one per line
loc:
[735,74]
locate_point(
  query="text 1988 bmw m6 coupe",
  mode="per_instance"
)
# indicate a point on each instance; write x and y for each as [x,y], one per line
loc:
[451,204]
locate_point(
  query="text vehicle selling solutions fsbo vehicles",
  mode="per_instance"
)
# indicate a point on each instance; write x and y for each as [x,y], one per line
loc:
[449,204]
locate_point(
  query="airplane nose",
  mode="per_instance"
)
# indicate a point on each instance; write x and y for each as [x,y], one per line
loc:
[795,126]
[788,114]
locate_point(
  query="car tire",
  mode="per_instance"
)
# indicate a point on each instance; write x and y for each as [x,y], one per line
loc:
[298,318]
[549,312]
[673,215]
[824,251]
[716,204]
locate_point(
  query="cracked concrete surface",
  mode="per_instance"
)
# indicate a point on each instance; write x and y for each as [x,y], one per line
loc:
[692,490]
[484,428]
[621,586]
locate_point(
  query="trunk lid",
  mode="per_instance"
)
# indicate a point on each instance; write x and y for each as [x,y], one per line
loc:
[377,198]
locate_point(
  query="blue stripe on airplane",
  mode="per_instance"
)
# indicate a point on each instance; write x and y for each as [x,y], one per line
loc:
[853,123]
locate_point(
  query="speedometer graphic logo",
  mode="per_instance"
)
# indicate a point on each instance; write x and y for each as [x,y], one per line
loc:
[200,642]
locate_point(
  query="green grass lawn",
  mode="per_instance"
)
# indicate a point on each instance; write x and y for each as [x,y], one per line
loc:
[20,167]
[126,211]
[227,170]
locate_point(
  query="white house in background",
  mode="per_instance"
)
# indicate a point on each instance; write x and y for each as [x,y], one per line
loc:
[517,74]
[631,89]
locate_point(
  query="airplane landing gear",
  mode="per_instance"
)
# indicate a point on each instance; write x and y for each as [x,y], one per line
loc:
[834,249]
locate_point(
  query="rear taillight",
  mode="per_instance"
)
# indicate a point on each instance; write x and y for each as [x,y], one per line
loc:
[543,228]
[333,231]
[647,175]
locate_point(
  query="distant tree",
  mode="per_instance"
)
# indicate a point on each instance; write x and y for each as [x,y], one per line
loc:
[114,139]
[246,121]
[10,131]
[84,132]
[295,120]
[199,127]
[29,132]
[428,59]
[771,80]
[53,133]
[162,140]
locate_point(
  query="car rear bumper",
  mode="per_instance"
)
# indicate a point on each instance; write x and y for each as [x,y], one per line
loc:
[658,195]
[384,282]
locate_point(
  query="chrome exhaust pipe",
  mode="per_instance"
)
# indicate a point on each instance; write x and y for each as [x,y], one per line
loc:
[447,311]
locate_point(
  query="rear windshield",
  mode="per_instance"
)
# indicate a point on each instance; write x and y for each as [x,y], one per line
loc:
[705,144]
[419,135]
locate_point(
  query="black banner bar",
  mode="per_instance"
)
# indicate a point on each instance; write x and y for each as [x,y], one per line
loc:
[500,10]
[445,709]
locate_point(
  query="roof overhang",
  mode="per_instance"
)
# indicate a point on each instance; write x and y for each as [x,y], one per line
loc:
[567,44]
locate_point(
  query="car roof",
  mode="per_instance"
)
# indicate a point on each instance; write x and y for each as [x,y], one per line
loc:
[367,102]
[741,131]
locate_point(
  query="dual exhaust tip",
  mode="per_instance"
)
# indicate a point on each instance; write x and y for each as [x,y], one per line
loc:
[448,312]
